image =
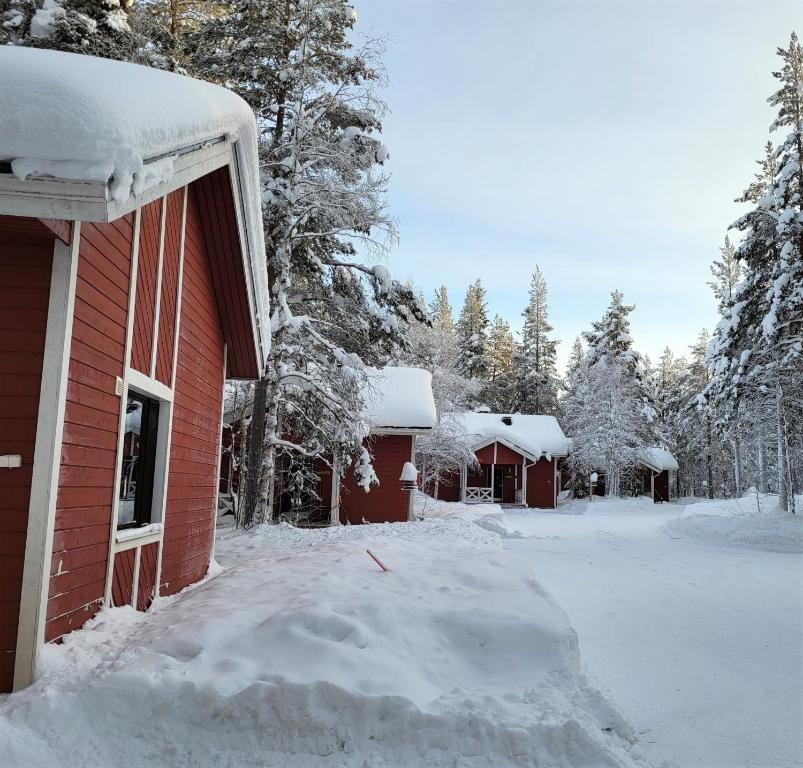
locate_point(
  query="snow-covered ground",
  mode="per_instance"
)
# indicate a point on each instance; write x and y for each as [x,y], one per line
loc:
[696,636]
[752,521]
[302,652]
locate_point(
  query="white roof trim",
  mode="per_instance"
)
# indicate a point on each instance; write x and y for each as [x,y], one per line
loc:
[508,444]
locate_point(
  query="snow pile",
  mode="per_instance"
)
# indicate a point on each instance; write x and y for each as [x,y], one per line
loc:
[751,521]
[400,398]
[490,517]
[84,118]
[535,435]
[307,654]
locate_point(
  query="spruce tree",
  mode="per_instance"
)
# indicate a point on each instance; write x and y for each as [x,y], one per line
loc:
[758,348]
[537,380]
[472,333]
[609,338]
[608,409]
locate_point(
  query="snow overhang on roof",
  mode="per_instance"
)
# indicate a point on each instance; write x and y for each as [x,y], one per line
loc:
[533,435]
[400,400]
[90,139]
[658,459]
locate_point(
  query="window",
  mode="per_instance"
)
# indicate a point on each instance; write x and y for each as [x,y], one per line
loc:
[139,460]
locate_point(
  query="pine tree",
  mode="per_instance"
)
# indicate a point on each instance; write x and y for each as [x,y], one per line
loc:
[441,310]
[499,352]
[93,27]
[537,380]
[316,101]
[472,333]
[727,273]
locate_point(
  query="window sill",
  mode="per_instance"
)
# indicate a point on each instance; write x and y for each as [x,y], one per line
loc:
[130,537]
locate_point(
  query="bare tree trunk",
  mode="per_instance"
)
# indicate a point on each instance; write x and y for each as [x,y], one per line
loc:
[709,461]
[256,447]
[762,466]
[273,430]
[783,500]
[737,465]
[255,455]
[787,459]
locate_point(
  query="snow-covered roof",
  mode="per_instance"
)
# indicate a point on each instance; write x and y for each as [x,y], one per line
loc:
[533,434]
[658,458]
[400,398]
[82,118]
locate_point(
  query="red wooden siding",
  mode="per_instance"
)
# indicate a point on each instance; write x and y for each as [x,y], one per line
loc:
[485,455]
[541,484]
[123,577]
[147,265]
[218,222]
[167,303]
[25,268]
[505,455]
[147,576]
[386,502]
[198,392]
[88,455]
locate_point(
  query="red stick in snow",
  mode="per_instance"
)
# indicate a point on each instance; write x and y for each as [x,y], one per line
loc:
[377,561]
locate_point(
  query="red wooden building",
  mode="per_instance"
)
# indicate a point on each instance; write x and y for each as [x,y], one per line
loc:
[400,407]
[657,467]
[130,272]
[518,461]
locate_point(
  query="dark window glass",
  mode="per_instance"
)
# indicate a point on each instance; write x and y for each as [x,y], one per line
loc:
[139,460]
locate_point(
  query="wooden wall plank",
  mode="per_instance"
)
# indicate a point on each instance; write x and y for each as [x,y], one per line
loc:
[147,266]
[89,446]
[25,265]
[191,489]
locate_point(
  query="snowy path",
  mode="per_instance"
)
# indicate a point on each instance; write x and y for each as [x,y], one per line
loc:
[700,644]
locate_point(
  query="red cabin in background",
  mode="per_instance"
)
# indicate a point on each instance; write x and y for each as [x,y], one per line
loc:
[400,407]
[125,303]
[518,459]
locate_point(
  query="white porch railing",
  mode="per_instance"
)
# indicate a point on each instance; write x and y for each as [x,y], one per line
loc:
[479,495]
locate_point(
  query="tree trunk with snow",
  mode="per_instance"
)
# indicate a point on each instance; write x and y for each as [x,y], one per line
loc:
[249,507]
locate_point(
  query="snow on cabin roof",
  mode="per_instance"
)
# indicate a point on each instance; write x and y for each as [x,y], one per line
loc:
[658,458]
[534,434]
[82,118]
[400,398]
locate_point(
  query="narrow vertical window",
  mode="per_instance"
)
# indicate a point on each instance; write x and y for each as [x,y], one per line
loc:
[139,460]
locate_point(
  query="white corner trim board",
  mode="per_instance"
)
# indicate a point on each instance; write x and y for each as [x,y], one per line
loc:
[46,461]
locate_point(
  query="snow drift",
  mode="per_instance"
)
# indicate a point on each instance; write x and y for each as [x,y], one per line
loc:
[751,521]
[303,653]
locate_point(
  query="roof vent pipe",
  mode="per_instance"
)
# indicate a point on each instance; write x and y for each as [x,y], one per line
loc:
[507,420]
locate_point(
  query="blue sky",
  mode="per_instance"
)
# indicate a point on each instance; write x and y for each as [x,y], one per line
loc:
[603,140]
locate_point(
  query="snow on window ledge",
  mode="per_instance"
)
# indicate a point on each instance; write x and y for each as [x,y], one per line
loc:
[128,534]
